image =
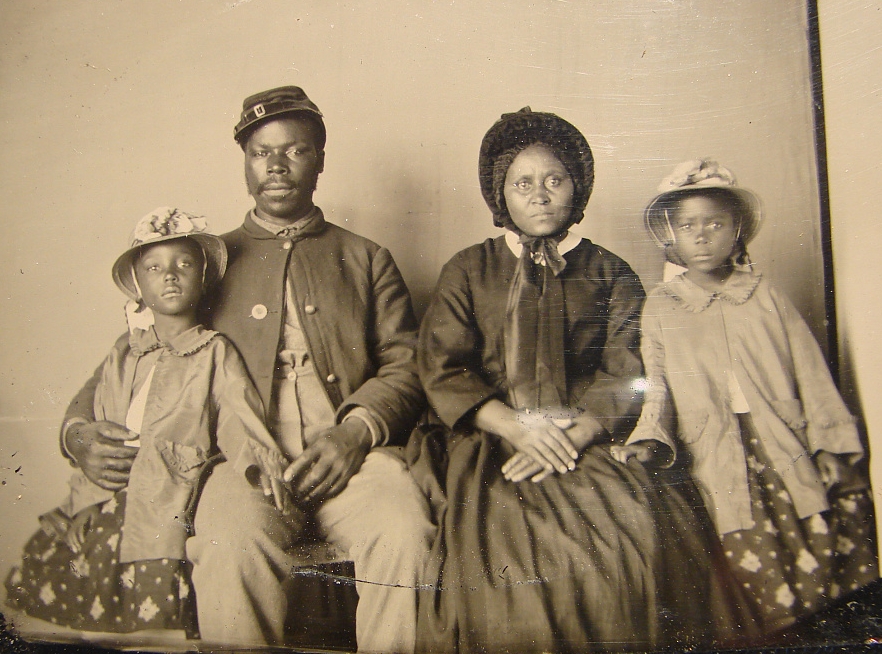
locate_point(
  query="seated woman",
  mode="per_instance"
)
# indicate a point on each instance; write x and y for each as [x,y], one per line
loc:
[529,356]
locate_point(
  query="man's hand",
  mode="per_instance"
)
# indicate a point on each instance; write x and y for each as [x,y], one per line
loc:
[326,465]
[98,449]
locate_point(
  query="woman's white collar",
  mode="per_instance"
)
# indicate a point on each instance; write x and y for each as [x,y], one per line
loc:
[570,241]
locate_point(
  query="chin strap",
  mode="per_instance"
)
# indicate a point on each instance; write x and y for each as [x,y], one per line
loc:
[138,316]
[671,234]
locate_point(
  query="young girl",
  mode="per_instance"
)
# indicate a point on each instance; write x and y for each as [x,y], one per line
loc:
[115,562]
[731,363]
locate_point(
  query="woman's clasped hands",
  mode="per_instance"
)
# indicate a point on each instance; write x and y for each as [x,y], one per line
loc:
[546,441]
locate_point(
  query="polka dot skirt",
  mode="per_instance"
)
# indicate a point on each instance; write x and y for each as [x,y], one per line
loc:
[790,566]
[92,591]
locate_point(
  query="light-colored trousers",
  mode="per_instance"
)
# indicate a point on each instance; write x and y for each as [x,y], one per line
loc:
[239,555]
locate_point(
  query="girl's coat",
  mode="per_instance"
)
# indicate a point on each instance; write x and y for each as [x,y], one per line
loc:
[693,343]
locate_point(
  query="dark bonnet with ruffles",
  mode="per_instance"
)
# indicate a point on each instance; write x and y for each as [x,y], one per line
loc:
[517,131]
[534,334]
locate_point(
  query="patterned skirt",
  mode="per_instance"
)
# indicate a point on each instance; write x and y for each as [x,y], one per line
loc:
[90,590]
[792,567]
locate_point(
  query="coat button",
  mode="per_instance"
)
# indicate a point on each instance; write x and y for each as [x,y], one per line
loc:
[258,312]
[332,378]
[309,309]
[286,245]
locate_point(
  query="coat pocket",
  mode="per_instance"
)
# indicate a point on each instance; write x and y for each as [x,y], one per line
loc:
[184,462]
[690,425]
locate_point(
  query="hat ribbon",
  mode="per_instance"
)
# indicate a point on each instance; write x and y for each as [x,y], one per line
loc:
[138,316]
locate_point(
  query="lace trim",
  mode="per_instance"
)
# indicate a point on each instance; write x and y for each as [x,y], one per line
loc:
[737,290]
[190,342]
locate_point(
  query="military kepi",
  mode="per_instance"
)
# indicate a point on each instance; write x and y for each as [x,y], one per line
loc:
[261,107]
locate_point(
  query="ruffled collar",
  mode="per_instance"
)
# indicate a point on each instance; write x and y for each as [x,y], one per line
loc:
[194,339]
[737,289]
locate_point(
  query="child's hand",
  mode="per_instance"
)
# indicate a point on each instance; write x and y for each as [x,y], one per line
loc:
[76,533]
[644,452]
[833,470]
[267,472]
[279,491]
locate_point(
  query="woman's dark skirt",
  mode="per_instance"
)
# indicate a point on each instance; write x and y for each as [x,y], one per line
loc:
[604,557]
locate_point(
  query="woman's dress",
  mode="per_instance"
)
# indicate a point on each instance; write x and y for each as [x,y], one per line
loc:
[602,557]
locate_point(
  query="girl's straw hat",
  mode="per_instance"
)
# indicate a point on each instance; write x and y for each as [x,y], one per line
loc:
[167,224]
[695,176]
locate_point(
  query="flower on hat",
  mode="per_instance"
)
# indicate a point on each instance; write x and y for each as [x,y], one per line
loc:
[697,172]
[167,221]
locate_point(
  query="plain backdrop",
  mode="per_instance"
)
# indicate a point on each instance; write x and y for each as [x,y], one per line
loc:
[110,108]
[851,31]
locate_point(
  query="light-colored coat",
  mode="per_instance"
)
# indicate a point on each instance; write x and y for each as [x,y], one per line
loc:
[201,405]
[692,341]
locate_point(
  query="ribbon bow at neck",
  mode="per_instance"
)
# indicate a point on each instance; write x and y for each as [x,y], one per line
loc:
[542,250]
[534,326]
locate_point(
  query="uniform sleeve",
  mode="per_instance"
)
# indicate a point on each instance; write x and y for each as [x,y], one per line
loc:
[393,396]
[81,410]
[82,407]
[449,349]
[613,398]
[828,423]
[657,417]
[241,433]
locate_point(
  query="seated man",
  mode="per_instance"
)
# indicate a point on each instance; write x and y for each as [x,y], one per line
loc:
[324,323]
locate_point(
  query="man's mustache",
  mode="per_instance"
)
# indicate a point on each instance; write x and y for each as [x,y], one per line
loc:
[278,184]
